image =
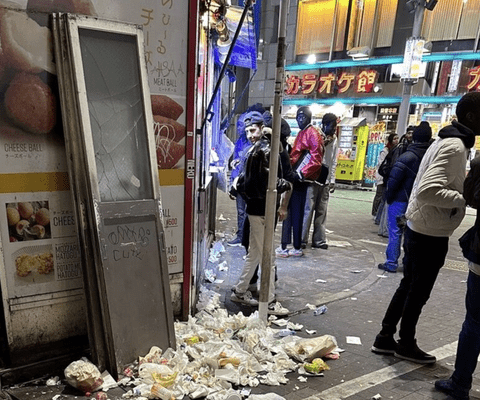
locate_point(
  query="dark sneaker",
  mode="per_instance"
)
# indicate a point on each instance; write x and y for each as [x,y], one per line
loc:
[446,386]
[303,246]
[384,345]
[235,242]
[320,245]
[411,352]
[381,266]
[245,298]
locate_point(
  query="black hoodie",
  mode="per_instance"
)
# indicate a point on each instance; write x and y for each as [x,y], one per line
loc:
[460,131]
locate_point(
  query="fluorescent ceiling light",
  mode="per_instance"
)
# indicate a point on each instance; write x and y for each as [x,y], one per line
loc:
[311,59]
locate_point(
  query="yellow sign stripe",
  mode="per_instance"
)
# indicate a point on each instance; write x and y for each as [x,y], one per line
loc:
[34,182]
[59,181]
[171,177]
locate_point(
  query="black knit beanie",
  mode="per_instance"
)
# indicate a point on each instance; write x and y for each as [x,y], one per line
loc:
[422,133]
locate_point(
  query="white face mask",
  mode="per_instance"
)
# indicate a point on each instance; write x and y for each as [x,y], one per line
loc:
[253,133]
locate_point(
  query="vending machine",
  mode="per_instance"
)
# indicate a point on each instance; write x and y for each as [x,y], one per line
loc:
[352,146]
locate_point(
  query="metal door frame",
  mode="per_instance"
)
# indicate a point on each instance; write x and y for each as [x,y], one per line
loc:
[92,212]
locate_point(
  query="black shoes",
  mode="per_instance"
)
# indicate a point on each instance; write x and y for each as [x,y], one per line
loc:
[320,245]
[384,268]
[384,345]
[446,386]
[411,352]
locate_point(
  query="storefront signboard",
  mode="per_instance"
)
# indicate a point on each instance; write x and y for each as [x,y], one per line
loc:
[330,83]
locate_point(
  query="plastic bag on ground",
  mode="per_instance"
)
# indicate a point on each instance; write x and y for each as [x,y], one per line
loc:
[83,375]
[308,349]
[268,396]
[153,356]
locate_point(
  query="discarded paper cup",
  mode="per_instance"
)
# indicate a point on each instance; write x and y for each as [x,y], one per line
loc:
[161,392]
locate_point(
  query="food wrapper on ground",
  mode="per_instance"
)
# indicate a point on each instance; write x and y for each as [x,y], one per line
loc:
[316,366]
[157,373]
[83,375]
[309,349]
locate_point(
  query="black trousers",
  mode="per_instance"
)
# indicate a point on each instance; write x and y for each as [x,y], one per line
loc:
[424,256]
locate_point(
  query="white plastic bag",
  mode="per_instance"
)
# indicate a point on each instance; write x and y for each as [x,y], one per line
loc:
[83,375]
[268,396]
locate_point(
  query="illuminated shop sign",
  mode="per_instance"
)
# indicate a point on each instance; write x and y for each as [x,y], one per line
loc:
[474,83]
[331,83]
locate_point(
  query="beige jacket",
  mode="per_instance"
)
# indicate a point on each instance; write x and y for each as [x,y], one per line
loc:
[436,206]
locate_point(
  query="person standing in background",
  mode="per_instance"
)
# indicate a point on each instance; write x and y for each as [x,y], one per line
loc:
[308,143]
[318,195]
[392,141]
[239,153]
[397,193]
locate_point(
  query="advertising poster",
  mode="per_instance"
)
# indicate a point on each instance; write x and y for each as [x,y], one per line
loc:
[376,142]
[37,218]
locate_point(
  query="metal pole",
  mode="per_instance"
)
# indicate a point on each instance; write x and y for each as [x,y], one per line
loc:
[408,83]
[271,200]
[334,31]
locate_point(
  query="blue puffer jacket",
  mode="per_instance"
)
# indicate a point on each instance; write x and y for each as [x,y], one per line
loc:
[401,179]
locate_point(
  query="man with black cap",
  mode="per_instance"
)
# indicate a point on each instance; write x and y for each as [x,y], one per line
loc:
[319,194]
[306,158]
[252,185]
[435,209]
[399,186]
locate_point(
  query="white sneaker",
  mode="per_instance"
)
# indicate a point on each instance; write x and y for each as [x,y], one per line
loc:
[295,252]
[277,309]
[283,253]
[245,298]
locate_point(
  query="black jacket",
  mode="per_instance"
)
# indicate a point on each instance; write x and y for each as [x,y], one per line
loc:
[253,180]
[403,174]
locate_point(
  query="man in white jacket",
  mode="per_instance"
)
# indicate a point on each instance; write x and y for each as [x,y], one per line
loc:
[435,209]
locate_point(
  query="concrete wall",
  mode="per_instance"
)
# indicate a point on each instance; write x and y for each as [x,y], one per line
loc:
[262,85]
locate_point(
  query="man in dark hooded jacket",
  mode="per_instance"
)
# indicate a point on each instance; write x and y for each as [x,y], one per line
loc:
[435,209]
[252,184]
[399,187]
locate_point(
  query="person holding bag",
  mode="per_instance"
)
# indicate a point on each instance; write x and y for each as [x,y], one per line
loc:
[318,193]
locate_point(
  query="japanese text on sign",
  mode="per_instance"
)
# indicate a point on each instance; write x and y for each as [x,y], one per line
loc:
[310,83]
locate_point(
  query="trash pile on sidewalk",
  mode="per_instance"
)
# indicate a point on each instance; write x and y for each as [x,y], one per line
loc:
[216,354]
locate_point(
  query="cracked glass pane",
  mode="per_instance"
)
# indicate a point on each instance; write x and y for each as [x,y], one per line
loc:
[114,94]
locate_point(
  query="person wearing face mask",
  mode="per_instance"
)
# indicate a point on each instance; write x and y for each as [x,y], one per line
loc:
[252,184]
[306,158]
[318,195]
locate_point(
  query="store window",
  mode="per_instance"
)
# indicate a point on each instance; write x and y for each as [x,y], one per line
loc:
[315,26]
[452,20]
[362,23]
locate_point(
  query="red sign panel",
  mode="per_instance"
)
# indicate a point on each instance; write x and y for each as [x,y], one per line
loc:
[309,83]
